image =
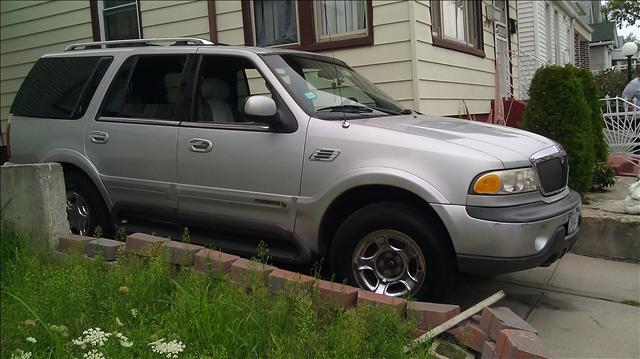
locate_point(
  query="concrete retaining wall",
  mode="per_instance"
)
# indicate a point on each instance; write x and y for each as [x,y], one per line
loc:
[33,200]
[609,235]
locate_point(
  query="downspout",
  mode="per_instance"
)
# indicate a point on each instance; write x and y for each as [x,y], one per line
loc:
[414,56]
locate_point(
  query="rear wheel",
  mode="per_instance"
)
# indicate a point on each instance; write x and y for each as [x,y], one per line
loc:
[394,249]
[85,207]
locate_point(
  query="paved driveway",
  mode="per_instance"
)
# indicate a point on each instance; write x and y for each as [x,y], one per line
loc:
[574,304]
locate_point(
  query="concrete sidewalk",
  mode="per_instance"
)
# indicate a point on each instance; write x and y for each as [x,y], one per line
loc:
[575,304]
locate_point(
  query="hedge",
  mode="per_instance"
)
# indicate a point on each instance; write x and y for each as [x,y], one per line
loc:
[558,109]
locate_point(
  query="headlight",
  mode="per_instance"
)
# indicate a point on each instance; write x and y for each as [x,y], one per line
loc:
[506,182]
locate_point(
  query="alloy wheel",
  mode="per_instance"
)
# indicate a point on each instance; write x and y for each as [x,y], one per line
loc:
[389,262]
[78,214]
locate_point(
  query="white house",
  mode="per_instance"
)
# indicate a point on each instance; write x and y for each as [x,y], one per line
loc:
[550,32]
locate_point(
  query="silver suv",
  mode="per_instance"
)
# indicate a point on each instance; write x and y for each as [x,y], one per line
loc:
[244,144]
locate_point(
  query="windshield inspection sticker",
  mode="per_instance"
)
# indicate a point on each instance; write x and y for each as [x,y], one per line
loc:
[310,95]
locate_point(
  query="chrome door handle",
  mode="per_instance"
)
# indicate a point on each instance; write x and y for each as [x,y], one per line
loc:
[200,145]
[99,137]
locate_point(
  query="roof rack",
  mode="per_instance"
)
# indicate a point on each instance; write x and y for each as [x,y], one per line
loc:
[177,41]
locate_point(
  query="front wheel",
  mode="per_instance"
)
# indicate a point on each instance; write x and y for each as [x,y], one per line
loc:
[85,209]
[394,249]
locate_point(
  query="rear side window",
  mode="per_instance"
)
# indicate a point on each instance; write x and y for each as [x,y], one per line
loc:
[60,87]
[147,87]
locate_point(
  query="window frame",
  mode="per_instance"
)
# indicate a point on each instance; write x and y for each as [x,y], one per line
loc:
[339,36]
[253,27]
[97,18]
[308,39]
[439,40]
[180,113]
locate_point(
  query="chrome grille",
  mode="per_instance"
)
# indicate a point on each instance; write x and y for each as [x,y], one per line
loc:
[552,167]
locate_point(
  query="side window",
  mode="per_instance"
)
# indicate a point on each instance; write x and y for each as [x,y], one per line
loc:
[224,84]
[147,87]
[60,87]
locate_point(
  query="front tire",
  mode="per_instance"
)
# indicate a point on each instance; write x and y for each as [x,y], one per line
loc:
[85,208]
[394,249]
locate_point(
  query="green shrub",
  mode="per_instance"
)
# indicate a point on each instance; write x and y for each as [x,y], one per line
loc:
[604,176]
[612,82]
[557,109]
[591,96]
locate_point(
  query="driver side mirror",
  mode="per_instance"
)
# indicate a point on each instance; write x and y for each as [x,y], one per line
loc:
[260,106]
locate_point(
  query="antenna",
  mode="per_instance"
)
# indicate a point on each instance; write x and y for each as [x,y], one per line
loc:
[345,124]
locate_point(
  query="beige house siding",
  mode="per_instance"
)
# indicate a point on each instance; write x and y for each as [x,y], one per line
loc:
[30,29]
[174,19]
[452,81]
[229,22]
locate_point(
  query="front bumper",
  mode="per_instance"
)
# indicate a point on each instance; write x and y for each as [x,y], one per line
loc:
[492,240]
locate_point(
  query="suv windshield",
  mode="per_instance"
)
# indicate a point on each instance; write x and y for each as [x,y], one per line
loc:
[330,90]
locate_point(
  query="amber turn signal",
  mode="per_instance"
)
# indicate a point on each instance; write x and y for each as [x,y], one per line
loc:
[488,184]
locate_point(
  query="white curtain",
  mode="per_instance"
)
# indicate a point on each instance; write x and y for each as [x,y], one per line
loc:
[276,22]
[337,16]
[453,19]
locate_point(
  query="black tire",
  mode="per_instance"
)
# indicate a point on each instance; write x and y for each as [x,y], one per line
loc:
[413,222]
[78,183]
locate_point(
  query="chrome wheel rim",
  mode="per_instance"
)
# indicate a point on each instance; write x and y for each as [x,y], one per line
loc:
[78,214]
[389,262]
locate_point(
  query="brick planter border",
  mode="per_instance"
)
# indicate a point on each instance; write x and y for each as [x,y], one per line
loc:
[496,333]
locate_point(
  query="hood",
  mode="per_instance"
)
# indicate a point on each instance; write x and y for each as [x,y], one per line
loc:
[512,146]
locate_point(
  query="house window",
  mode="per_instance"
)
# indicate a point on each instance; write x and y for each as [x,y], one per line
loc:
[308,25]
[457,24]
[119,19]
[340,19]
[275,22]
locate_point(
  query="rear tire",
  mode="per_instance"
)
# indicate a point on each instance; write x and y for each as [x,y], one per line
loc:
[85,208]
[394,249]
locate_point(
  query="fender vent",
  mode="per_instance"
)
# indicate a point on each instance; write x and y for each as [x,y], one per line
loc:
[324,154]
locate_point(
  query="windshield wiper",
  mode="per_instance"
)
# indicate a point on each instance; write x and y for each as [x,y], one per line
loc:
[408,111]
[386,110]
[346,108]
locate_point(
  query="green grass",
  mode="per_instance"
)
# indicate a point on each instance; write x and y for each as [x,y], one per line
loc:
[55,298]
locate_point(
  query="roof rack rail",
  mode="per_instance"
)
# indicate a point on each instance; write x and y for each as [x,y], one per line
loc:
[177,41]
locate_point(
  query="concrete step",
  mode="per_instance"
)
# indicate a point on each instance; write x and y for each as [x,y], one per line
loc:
[607,231]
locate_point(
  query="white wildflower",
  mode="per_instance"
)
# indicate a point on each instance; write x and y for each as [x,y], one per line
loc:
[93,354]
[124,341]
[134,312]
[119,322]
[168,349]
[31,340]
[124,290]
[94,337]
[19,354]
